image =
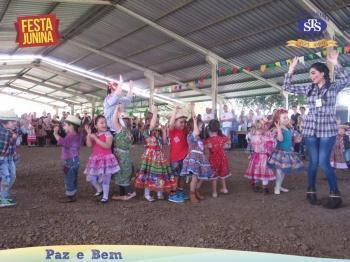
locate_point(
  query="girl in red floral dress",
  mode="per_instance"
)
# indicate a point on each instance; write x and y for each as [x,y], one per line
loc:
[217,157]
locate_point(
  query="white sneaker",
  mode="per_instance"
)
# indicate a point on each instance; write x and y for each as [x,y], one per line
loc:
[277,191]
[284,190]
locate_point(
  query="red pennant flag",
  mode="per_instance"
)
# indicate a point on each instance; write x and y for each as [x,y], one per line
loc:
[222,70]
[346,49]
[234,70]
[248,68]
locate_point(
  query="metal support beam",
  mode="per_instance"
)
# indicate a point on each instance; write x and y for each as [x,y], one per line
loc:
[286,96]
[214,84]
[26,99]
[22,89]
[150,78]
[93,109]
[71,109]
[191,44]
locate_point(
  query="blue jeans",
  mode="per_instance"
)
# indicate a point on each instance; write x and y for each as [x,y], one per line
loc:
[347,157]
[71,168]
[319,150]
[7,176]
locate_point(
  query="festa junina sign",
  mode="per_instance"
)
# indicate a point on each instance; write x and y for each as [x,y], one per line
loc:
[39,30]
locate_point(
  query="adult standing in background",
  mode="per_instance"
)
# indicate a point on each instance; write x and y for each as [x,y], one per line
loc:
[320,127]
[226,123]
[208,116]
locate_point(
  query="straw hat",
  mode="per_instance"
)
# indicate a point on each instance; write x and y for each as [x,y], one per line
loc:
[8,115]
[73,120]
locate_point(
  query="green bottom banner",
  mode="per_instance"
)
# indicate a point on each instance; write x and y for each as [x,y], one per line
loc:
[144,253]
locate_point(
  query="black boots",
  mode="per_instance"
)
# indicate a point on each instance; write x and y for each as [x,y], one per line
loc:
[311,196]
[334,200]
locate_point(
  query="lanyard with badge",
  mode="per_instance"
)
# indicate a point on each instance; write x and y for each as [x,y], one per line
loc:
[319,103]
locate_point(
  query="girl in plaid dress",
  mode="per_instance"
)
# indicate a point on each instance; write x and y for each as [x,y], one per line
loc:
[283,159]
[320,128]
[196,165]
[262,143]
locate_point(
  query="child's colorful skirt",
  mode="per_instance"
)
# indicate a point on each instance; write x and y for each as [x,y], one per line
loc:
[197,164]
[31,138]
[101,167]
[155,172]
[287,161]
[258,168]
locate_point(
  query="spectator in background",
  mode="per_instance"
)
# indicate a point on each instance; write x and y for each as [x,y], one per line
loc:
[295,115]
[235,126]
[226,123]
[208,116]
[302,113]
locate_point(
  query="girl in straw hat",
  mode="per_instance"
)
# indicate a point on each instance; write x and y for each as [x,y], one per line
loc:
[70,155]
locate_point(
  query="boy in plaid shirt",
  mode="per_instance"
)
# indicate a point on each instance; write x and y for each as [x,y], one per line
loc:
[8,138]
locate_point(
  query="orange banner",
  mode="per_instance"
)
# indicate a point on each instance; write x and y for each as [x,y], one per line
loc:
[39,30]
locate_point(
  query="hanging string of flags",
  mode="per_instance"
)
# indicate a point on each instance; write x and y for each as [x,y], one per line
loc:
[224,71]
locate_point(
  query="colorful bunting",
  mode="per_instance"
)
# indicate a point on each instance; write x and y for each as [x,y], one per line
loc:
[263,67]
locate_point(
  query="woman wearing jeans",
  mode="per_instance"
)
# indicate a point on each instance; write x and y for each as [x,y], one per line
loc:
[320,127]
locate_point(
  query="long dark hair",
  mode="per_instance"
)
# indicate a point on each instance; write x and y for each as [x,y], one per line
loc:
[322,68]
[214,126]
[94,123]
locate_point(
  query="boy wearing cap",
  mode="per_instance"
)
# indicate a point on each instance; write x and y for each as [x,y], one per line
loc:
[70,155]
[178,132]
[8,137]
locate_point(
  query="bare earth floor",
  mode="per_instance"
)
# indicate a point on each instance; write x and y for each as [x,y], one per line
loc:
[242,220]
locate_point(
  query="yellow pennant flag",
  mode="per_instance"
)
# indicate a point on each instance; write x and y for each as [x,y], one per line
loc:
[262,68]
[278,64]
[289,61]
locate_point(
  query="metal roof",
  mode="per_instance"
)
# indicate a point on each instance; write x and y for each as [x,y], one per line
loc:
[246,33]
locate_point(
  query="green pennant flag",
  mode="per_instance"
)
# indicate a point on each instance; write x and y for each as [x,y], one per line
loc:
[311,56]
[207,77]
[272,65]
[340,49]
[240,70]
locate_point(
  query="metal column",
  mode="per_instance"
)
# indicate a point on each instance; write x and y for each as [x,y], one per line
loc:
[214,83]
[150,78]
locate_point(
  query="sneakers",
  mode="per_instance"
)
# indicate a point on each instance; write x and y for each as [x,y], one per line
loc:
[176,198]
[182,194]
[277,191]
[284,190]
[7,202]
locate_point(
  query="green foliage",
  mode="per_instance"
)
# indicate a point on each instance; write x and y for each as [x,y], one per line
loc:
[268,102]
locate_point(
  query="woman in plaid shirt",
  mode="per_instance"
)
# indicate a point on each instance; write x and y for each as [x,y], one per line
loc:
[320,127]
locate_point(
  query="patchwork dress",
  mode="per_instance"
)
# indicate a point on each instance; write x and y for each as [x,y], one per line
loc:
[155,171]
[258,169]
[196,162]
[283,157]
[122,145]
[337,155]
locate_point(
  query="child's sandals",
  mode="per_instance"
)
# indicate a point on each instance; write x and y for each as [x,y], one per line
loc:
[149,198]
[104,200]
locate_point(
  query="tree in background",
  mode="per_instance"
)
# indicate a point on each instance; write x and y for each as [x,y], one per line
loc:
[268,102]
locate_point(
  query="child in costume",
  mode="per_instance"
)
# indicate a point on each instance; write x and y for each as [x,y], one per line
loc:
[338,152]
[70,144]
[283,159]
[122,144]
[8,156]
[217,156]
[262,144]
[102,164]
[196,165]
[155,172]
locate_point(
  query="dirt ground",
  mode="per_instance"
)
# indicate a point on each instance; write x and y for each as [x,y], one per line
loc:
[242,220]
